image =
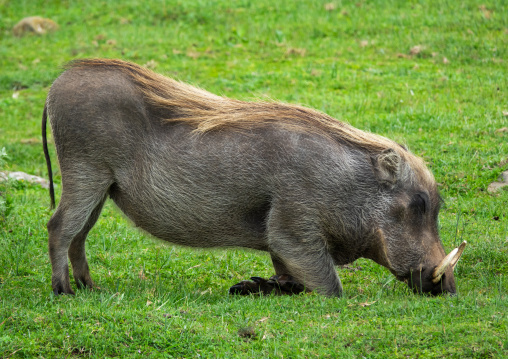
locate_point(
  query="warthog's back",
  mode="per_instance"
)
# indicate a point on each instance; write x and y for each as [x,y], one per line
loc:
[211,187]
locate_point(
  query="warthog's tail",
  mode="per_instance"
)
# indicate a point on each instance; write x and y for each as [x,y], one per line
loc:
[46,155]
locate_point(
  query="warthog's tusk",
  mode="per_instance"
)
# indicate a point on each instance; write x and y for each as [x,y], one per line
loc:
[458,255]
[443,266]
[451,259]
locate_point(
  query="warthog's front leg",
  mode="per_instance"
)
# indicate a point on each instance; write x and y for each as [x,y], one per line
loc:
[314,269]
[298,249]
[278,284]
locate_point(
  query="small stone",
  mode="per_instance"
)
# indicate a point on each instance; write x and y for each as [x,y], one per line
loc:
[21,176]
[503,181]
[504,176]
[34,24]
[496,186]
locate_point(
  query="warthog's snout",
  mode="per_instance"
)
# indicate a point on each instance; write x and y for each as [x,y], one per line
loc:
[437,279]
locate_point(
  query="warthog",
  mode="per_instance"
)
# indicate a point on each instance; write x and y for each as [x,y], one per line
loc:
[201,170]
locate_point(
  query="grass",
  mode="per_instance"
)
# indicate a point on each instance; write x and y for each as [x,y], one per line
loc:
[445,99]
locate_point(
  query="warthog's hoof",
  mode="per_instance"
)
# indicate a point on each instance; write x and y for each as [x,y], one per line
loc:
[282,284]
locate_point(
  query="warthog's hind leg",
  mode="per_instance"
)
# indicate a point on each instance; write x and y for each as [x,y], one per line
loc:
[77,253]
[76,213]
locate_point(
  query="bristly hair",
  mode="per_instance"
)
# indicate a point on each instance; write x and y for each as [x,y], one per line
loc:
[208,112]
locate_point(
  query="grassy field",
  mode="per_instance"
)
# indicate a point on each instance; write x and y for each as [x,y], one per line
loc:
[430,74]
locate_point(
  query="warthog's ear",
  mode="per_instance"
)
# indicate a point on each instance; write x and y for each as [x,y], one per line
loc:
[386,166]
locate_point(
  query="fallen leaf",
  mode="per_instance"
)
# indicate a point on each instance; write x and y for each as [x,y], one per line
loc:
[295,51]
[197,265]
[445,61]
[415,50]
[505,113]
[486,12]
[330,6]
[176,52]
[30,141]
[208,290]
[141,274]
[364,43]
[193,54]
[151,64]
[502,129]
[264,319]
[366,304]
[316,73]
[148,303]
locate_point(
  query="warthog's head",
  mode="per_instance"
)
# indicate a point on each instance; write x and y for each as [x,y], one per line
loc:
[406,229]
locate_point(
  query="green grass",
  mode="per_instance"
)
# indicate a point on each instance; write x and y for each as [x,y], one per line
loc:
[354,62]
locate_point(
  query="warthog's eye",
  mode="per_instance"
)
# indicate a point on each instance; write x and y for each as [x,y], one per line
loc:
[419,203]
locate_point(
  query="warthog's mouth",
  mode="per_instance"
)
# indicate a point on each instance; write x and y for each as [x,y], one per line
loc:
[432,279]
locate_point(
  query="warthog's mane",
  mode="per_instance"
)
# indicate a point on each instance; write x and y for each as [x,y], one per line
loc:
[208,112]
